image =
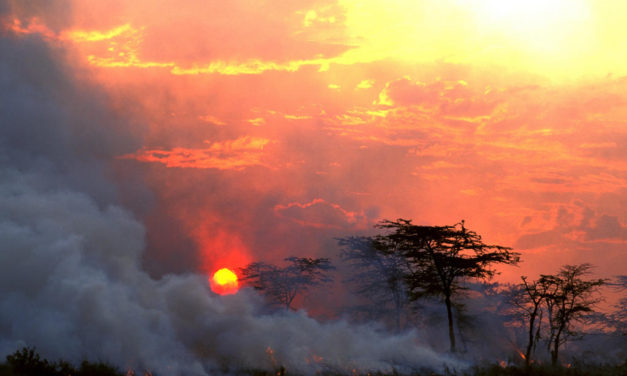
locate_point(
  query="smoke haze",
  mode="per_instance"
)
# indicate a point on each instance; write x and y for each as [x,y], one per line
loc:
[71,276]
[143,145]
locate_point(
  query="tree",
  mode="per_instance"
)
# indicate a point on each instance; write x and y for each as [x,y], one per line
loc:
[376,277]
[568,299]
[437,259]
[280,285]
[528,298]
[618,318]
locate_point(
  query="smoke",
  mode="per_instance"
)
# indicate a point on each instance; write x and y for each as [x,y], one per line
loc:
[71,278]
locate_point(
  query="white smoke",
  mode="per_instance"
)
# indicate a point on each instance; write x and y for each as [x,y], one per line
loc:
[71,281]
[72,286]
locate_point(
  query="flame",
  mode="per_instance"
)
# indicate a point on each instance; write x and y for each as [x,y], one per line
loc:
[224,282]
[279,370]
[314,359]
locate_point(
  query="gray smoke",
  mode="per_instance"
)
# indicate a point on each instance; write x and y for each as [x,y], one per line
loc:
[71,281]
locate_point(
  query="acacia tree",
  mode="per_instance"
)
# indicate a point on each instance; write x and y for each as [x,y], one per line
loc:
[528,298]
[376,277]
[280,285]
[568,299]
[437,259]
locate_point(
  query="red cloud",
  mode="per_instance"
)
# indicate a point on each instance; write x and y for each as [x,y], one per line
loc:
[230,155]
[320,214]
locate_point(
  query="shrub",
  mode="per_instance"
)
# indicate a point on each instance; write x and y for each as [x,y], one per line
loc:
[27,362]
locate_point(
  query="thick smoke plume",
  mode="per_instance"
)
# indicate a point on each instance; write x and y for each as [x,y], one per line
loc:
[71,279]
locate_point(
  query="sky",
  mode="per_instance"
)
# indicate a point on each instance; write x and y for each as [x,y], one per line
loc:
[257,130]
[146,144]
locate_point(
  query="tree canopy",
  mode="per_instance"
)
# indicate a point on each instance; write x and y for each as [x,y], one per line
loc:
[280,285]
[569,297]
[376,277]
[438,259]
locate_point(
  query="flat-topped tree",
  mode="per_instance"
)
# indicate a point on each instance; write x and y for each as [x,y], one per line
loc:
[439,258]
[376,277]
[280,285]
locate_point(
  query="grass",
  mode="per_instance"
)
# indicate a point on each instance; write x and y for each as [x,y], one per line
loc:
[27,362]
[580,369]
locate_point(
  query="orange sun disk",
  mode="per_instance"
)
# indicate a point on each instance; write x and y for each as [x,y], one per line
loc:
[224,282]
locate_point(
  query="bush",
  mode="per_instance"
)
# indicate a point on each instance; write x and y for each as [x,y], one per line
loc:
[97,369]
[27,362]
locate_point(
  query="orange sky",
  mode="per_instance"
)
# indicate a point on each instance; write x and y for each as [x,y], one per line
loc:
[270,128]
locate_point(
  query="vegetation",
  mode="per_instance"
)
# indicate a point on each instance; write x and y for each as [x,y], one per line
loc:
[488,369]
[565,297]
[569,297]
[27,362]
[412,262]
[280,285]
[377,278]
[528,298]
[579,369]
[437,259]
[407,263]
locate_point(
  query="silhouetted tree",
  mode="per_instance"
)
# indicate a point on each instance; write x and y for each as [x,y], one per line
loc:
[613,322]
[528,298]
[618,318]
[568,298]
[376,277]
[280,285]
[437,259]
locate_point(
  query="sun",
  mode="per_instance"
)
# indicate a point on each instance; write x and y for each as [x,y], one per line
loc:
[540,24]
[224,282]
[550,37]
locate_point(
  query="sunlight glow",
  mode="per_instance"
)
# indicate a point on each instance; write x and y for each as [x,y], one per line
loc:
[551,37]
[224,282]
[533,22]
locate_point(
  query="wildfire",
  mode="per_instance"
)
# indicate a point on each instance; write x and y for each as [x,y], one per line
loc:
[224,282]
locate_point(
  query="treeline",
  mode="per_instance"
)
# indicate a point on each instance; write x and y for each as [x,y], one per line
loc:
[406,271]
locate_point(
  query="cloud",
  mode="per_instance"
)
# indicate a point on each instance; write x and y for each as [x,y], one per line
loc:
[228,155]
[320,213]
[179,44]
[573,233]
[607,228]
[538,239]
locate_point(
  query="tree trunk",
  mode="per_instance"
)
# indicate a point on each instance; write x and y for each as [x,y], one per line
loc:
[556,347]
[449,311]
[532,319]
